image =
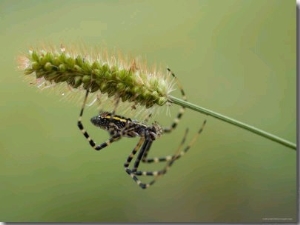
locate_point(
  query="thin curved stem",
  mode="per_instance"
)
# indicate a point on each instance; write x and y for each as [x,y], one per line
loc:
[233,122]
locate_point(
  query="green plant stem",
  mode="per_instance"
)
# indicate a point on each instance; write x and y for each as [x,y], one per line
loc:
[233,122]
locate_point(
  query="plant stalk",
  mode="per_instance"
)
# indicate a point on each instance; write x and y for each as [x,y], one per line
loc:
[233,122]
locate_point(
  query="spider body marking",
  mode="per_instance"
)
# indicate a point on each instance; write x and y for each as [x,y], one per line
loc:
[116,124]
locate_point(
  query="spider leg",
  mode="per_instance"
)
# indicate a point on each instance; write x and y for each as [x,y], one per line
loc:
[179,153]
[165,158]
[169,159]
[181,110]
[134,151]
[112,139]
[142,145]
[145,148]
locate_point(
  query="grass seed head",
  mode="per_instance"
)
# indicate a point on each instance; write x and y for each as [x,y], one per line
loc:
[101,73]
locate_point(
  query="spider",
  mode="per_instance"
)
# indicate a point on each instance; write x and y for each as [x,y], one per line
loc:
[119,126]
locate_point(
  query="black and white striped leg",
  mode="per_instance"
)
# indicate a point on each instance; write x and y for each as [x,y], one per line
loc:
[170,159]
[181,110]
[114,138]
[165,158]
[142,145]
[179,153]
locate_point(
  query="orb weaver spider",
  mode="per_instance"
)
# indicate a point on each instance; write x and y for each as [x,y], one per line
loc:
[118,127]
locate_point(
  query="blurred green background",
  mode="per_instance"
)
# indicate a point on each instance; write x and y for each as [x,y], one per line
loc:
[234,57]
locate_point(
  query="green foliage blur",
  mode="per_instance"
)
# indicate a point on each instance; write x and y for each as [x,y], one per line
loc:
[235,57]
